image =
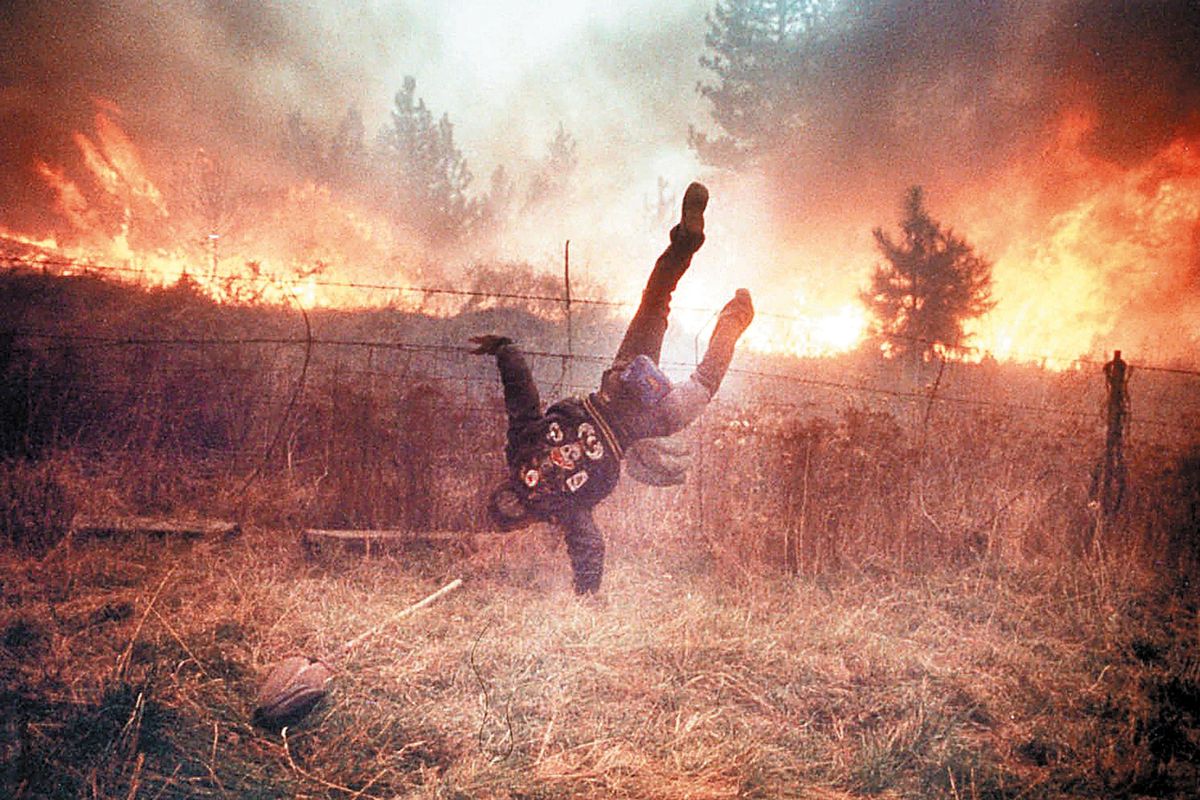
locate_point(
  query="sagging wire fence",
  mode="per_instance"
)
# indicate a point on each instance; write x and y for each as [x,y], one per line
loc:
[964,352]
[450,356]
[805,463]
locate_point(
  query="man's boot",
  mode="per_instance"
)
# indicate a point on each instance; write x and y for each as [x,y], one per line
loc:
[689,233]
[686,239]
[732,322]
[645,332]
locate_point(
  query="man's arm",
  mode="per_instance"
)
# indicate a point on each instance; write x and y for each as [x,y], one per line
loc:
[521,400]
[585,547]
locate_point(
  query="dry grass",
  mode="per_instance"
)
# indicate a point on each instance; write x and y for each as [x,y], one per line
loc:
[130,668]
[885,601]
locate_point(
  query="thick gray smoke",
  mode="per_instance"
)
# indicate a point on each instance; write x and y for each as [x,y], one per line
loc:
[937,92]
[947,94]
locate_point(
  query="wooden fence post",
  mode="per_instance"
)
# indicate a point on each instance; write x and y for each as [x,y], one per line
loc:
[569,372]
[1108,489]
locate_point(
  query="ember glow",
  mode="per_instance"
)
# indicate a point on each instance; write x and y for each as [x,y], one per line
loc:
[149,139]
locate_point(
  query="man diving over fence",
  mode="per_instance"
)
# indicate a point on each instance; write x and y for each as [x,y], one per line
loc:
[564,461]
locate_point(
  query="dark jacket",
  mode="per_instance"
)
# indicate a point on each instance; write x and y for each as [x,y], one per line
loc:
[565,459]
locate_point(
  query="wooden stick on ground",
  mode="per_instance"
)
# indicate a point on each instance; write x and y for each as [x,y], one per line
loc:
[357,640]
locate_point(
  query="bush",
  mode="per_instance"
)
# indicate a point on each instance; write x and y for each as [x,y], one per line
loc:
[35,508]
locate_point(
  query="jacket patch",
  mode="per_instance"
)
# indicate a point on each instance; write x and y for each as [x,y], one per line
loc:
[554,434]
[577,480]
[566,455]
[592,446]
[530,477]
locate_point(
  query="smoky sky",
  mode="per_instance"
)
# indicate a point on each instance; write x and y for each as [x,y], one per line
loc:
[215,74]
[935,92]
[945,93]
[224,75]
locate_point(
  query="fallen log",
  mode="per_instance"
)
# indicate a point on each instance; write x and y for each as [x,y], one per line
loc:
[146,526]
[369,541]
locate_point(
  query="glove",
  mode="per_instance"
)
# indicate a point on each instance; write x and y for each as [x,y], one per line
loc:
[489,344]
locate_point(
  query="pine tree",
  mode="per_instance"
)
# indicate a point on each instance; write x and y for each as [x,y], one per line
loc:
[346,153]
[335,160]
[929,283]
[425,174]
[497,208]
[761,53]
[557,168]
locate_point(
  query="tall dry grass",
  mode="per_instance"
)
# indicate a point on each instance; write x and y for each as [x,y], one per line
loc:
[183,404]
[845,599]
[130,670]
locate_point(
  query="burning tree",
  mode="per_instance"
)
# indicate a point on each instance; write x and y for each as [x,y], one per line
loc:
[930,282]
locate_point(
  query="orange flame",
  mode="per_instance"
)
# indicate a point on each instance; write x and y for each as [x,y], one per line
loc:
[114,162]
[1104,268]
[301,244]
[70,201]
[1088,255]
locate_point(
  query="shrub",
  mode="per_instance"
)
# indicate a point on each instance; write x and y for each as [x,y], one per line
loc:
[35,507]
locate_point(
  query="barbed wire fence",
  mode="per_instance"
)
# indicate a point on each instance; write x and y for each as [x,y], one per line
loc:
[767,390]
[964,352]
[447,354]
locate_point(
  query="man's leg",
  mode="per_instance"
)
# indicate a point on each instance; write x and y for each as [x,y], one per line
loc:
[645,333]
[686,400]
[735,317]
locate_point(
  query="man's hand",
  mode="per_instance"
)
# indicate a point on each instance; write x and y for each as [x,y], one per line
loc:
[489,344]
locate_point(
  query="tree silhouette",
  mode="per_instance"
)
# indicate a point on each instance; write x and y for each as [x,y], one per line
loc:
[557,168]
[499,204]
[929,283]
[337,159]
[761,52]
[424,173]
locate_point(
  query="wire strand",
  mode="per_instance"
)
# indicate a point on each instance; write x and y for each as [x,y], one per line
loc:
[968,350]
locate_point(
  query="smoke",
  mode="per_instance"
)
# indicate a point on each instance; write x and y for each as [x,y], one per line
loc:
[1030,125]
[223,75]
[947,93]
[1011,115]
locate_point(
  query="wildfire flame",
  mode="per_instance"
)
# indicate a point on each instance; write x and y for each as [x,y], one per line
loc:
[304,244]
[1116,263]
[1120,263]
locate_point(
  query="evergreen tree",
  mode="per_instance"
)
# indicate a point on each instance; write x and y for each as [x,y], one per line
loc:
[661,211]
[761,53]
[499,205]
[929,283]
[425,174]
[346,154]
[335,160]
[557,168]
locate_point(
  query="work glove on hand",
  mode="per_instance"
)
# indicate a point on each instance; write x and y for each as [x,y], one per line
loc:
[488,344]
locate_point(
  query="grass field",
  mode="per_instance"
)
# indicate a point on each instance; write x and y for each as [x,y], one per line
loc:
[130,668]
[866,587]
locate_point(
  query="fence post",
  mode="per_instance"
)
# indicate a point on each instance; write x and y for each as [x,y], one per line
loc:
[570,364]
[1108,488]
